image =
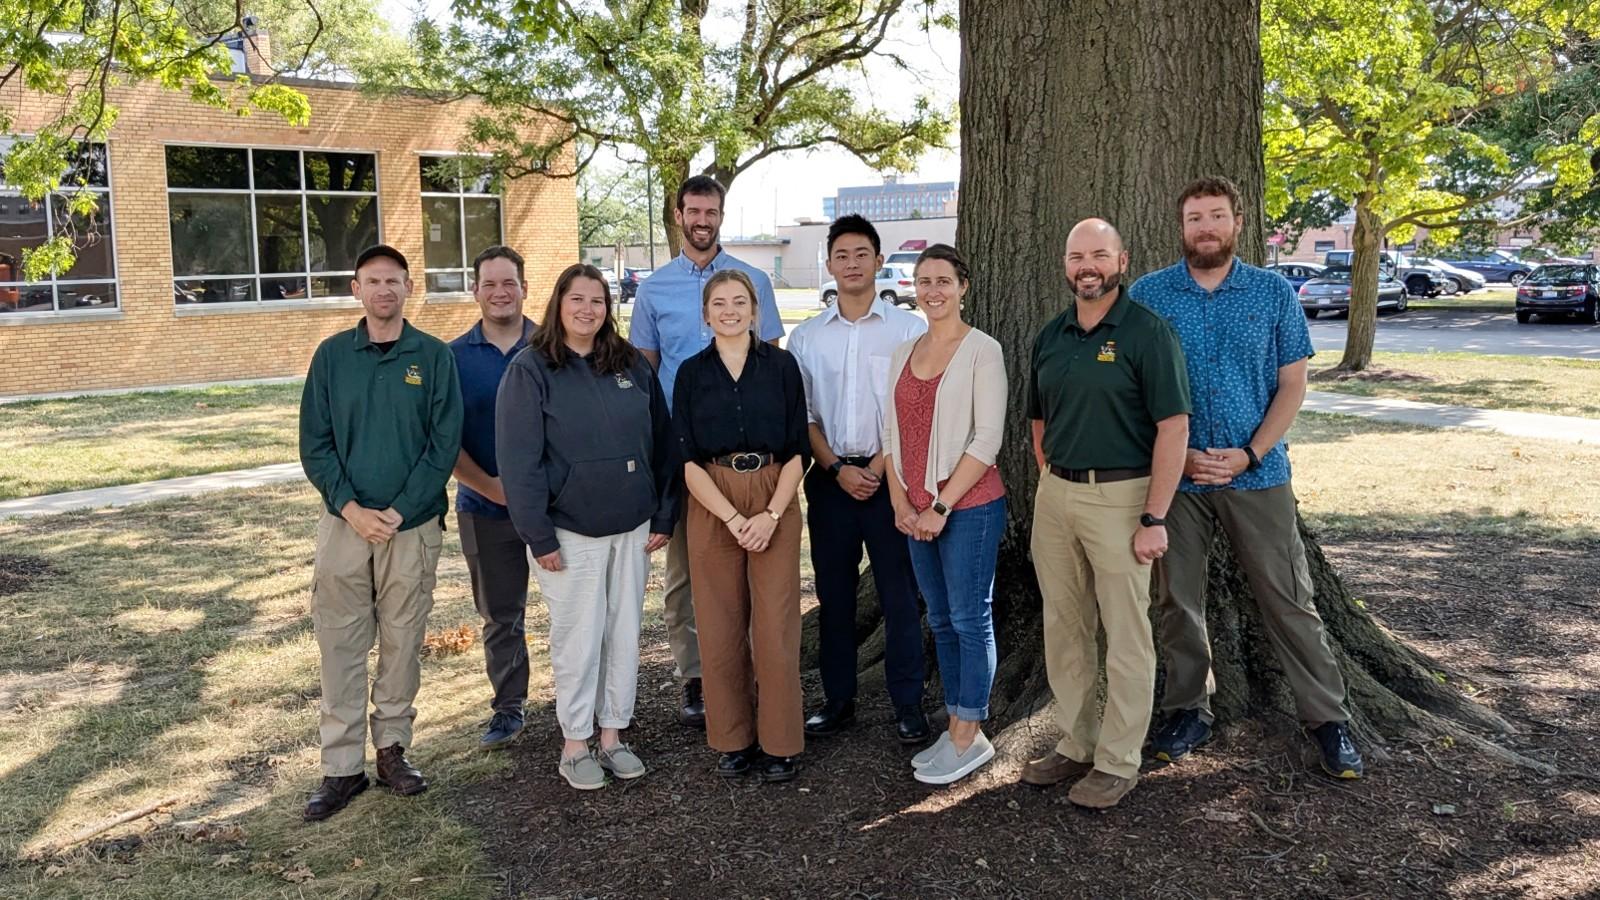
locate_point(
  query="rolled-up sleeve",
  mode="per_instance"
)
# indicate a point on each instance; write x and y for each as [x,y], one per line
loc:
[988,405]
[519,447]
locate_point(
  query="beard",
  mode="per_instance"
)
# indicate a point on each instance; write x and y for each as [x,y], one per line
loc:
[701,246]
[1215,259]
[1108,284]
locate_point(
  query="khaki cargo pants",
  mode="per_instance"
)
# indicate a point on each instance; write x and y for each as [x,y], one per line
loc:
[359,592]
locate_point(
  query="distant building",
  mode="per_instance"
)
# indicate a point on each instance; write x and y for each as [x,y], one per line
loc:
[893,199]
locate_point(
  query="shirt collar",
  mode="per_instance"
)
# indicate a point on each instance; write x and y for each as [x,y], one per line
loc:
[1113,316]
[475,335]
[717,262]
[1235,275]
[878,308]
[407,340]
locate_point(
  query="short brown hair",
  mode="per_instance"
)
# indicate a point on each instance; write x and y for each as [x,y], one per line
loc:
[726,275]
[612,355]
[499,251]
[1212,186]
[949,255]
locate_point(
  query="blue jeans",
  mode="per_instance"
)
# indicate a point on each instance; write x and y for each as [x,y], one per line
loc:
[956,575]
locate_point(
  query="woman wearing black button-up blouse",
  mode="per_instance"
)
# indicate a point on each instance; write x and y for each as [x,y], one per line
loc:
[739,409]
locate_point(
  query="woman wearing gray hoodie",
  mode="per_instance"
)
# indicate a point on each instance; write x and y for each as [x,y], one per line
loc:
[587,458]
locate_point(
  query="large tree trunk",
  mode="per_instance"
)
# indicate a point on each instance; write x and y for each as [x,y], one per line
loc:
[672,176]
[1364,246]
[1107,108]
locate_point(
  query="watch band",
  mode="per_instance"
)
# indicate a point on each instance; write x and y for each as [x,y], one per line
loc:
[1255,461]
[837,465]
[940,507]
[776,517]
[1150,521]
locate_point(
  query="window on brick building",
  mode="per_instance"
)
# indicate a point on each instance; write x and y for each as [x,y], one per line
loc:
[91,283]
[461,217]
[254,225]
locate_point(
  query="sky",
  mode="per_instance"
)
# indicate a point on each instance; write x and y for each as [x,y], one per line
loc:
[780,189]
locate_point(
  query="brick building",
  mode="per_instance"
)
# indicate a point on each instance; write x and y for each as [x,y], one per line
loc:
[224,246]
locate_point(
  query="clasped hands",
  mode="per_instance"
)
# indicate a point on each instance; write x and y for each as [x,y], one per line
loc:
[376,526]
[753,533]
[1215,467]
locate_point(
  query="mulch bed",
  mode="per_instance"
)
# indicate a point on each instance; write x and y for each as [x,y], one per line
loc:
[1246,817]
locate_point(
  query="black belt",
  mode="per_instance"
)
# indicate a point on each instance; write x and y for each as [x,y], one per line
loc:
[743,462]
[860,462]
[1099,476]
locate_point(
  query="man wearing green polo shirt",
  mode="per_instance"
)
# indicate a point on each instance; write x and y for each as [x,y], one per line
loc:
[1109,400]
[380,428]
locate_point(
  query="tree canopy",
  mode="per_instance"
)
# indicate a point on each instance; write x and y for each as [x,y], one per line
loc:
[1381,105]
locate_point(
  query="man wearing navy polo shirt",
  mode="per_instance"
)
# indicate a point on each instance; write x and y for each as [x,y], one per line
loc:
[1247,345]
[668,327]
[497,560]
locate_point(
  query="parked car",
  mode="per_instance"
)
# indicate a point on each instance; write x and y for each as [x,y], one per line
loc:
[1540,256]
[1495,265]
[1297,273]
[1419,280]
[613,282]
[1330,292]
[894,285]
[907,258]
[630,282]
[1457,279]
[1561,289]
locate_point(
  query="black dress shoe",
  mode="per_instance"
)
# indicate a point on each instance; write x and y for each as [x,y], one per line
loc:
[738,762]
[911,725]
[334,794]
[693,713]
[832,718]
[773,769]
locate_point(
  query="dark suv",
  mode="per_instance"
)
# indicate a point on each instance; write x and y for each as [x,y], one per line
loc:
[1561,288]
[630,282]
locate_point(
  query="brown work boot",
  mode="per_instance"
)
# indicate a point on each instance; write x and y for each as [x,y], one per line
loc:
[1100,790]
[1052,768]
[334,794]
[397,774]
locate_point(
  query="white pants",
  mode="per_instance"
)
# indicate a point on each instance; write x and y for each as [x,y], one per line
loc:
[595,602]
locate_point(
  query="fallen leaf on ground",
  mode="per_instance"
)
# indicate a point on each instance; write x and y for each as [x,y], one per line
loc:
[450,641]
[299,874]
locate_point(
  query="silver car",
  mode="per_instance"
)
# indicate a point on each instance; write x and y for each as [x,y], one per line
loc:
[894,285]
[1456,279]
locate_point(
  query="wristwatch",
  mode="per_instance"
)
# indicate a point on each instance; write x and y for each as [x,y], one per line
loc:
[834,469]
[1150,521]
[939,507]
[1255,461]
[776,517]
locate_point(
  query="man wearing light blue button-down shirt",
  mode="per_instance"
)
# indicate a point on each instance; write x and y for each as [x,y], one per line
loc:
[668,326]
[1247,347]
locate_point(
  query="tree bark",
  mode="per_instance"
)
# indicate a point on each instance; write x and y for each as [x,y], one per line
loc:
[1363,327]
[1108,108]
[672,175]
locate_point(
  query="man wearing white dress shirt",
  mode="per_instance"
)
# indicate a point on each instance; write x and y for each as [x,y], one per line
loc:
[844,359]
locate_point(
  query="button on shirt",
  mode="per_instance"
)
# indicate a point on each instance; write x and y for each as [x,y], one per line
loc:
[845,365]
[764,411]
[666,311]
[1235,339]
[1101,392]
[481,366]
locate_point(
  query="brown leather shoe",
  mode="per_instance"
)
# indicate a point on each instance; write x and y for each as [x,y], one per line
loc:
[397,774]
[1053,768]
[334,794]
[1100,790]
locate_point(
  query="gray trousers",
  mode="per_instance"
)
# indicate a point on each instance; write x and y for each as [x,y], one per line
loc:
[678,605]
[497,561]
[1260,526]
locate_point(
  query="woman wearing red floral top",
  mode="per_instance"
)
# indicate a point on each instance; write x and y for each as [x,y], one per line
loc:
[941,436]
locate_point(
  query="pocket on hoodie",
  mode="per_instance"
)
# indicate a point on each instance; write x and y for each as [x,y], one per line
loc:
[608,496]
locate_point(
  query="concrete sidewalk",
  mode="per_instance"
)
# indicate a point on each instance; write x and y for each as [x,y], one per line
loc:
[128,494]
[1437,415]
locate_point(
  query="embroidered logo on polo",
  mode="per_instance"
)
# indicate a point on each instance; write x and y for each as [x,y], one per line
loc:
[1108,352]
[413,374]
[624,383]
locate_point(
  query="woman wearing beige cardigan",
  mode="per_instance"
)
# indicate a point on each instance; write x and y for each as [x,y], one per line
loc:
[942,433]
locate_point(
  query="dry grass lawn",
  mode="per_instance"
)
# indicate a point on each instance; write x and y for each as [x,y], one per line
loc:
[1561,386]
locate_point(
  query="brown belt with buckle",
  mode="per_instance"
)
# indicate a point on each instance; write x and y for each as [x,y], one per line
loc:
[743,462]
[1099,476]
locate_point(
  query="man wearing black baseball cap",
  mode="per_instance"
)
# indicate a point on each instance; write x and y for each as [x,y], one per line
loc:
[380,428]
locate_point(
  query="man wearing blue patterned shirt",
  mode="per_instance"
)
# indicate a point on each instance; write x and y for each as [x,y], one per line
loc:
[1247,346]
[668,326]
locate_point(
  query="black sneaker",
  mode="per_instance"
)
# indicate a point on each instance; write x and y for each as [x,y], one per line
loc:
[738,762]
[502,730]
[693,711]
[1340,758]
[1181,735]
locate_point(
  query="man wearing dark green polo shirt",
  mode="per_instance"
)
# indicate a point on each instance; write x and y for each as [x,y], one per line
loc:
[380,427]
[1109,400]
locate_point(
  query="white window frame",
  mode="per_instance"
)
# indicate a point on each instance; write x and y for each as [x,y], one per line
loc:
[258,303]
[423,159]
[55,312]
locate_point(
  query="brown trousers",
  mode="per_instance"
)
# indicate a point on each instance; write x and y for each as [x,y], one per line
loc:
[747,612]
